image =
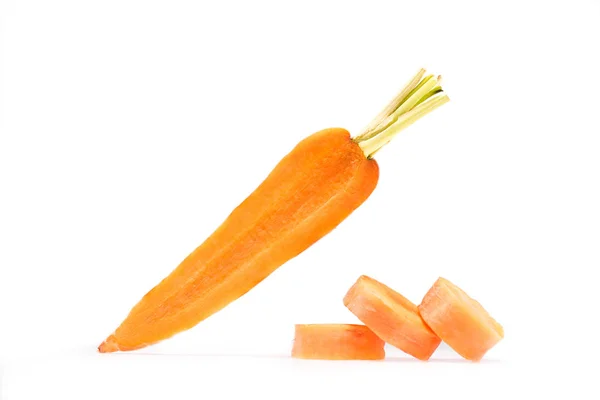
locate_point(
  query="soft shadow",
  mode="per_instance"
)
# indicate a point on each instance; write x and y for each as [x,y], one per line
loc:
[441,360]
[199,355]
[389,359]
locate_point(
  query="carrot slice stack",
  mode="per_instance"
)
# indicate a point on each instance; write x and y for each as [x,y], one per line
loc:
[337,342]
[392,317]
[459,320]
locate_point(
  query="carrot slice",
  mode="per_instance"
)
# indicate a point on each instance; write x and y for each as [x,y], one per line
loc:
[337,342]
[459,320]
[394,318]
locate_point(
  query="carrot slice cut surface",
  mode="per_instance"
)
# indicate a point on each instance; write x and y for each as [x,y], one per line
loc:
[394,318]
[459,320]
[337,342]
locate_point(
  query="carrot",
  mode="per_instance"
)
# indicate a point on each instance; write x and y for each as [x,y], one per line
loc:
[307,194]
[459,320]
[337,342]
[392,317]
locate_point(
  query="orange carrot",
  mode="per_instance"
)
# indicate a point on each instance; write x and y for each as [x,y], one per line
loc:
[392,317]
[459,320]
[337,342]
[307,194]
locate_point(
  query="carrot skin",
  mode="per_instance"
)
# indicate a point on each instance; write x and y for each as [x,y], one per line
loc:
[308,194]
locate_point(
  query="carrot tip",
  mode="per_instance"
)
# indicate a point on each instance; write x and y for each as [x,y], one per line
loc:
[109,345]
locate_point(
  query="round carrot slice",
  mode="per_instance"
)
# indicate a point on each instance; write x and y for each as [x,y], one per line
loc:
[337,342]
[459,320]
[394,318]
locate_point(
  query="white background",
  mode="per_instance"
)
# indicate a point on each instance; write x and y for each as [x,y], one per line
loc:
[130,130]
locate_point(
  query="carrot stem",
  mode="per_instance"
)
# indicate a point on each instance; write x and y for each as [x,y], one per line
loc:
[386,112]
[418,98]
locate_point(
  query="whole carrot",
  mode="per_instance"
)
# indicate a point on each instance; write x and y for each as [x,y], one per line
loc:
[308,193]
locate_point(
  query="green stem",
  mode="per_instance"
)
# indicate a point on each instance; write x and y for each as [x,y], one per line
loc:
[418,98]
